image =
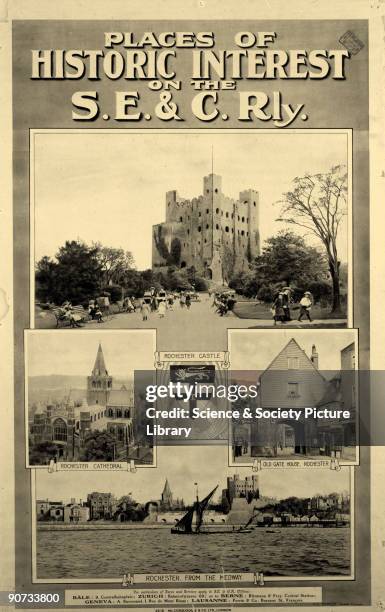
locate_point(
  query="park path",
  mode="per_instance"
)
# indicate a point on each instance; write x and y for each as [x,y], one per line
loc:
[197,329]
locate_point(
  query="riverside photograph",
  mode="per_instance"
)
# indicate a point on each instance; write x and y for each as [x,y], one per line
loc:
[180,518]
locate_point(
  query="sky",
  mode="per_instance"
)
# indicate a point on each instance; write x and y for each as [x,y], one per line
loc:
[57,353]
[255,349]
[183,466]
[110,187]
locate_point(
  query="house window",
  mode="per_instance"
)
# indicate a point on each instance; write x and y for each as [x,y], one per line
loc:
[292,363]
[293,389]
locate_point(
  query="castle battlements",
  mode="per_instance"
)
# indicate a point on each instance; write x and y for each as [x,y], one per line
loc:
[216,234]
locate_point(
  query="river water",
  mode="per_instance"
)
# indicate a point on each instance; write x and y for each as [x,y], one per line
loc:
[293,551]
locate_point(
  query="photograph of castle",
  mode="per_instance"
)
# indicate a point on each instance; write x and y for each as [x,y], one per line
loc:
[308,384]
[77,408]
[278,522]
[215,231]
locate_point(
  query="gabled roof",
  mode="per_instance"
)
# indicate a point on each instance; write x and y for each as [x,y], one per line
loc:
[294,343]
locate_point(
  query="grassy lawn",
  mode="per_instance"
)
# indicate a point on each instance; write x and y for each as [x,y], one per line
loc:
[250,310]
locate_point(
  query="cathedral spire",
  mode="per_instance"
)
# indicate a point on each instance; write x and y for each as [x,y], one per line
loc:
[100,366]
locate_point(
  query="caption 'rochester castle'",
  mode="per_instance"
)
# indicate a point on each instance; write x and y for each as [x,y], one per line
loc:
[215,234]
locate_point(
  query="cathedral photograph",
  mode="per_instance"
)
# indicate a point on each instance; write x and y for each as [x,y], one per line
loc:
[215,231]
[81,399]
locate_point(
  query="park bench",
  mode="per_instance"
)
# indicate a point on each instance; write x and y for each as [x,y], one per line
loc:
[76,310]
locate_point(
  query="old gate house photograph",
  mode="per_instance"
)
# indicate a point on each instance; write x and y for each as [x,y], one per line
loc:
[193,515]
[213,231]
[81,401]
[299,371]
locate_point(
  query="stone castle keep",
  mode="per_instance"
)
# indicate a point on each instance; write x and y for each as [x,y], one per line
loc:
[212,232]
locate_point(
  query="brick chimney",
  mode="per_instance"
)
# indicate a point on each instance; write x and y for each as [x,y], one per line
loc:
[314,356]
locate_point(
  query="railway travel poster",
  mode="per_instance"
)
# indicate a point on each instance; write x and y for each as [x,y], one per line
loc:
[191,305]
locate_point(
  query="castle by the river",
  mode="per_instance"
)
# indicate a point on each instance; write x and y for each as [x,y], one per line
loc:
[216,234]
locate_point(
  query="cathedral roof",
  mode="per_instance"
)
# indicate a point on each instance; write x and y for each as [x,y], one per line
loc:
[118,397]
[166,490]
[100,366]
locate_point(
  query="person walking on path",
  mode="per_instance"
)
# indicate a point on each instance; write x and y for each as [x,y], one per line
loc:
[278,309]
[286,293]
[182,300]
[162,309]
[188,300]
[305,306]
[145,310]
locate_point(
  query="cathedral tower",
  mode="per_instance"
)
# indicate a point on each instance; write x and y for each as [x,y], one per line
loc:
[99,384]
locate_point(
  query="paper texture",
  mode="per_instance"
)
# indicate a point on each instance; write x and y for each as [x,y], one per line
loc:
[191,305]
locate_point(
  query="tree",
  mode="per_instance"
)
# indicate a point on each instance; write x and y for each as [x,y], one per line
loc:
[98,446]
[287,259]
[114,263]
[43,452]
[318,203]
[74,276]
[45,278]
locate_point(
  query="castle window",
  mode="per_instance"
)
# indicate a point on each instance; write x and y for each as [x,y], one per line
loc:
[227,215]
[238,218]
[227,228]
[181,219]
[188,231]
[207,226]
[254,204]
[232,215]
[199,228]
[126,414]
[205,240]
[217,210]
[217,226]
[119,413]
[243,219]
[247,219]
[242,233]
[216,190]
[199,214]
[110,412]
[207,190]
[232,230]
[207,211]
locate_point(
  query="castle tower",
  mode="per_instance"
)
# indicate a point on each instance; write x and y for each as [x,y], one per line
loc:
[99,384]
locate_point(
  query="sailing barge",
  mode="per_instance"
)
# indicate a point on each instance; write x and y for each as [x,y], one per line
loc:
[191,523]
